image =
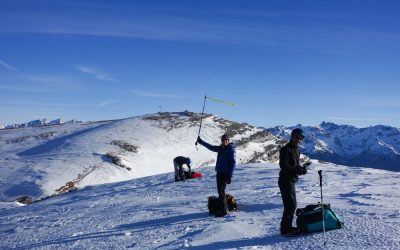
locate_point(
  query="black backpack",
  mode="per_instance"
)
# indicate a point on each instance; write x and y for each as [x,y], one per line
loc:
[215,205]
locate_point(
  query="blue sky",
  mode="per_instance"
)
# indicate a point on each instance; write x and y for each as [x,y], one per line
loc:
[282,62]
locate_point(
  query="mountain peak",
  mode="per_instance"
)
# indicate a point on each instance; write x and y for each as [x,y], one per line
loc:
[376,146]
[329,125]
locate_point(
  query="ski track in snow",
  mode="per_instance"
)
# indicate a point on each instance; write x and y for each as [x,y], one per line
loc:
[156,213]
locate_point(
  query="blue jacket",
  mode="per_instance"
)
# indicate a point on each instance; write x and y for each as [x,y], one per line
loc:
[226,161]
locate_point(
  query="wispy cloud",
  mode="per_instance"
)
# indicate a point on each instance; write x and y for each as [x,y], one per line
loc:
[382,102]
[24,89]
[45,79]
[8,66]
[106,103]
[99,75]
[160,23]
[153,94]
[357,119]
[375,101]
[249,24]
[45,104]
[56,82]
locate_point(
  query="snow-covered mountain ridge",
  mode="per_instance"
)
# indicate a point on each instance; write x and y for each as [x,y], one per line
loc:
[375,146]
[46,160]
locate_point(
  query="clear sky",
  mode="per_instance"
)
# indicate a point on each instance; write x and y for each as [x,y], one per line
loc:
[282,62]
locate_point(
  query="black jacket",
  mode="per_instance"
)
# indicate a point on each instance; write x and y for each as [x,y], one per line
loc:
[180,160]
[289,161]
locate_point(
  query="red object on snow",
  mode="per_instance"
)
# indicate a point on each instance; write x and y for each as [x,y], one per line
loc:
[197,175]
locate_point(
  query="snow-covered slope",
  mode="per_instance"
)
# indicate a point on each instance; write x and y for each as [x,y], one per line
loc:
[46,160]
[377,146]
[156,213]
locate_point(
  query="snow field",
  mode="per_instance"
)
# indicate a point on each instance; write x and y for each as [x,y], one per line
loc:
[156,213]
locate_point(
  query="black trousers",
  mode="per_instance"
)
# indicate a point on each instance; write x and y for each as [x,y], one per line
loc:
[288,193]
[221,186]
[179,173]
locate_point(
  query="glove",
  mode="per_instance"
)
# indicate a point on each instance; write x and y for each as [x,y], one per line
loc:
[301,170]
[228,180]
[307,164]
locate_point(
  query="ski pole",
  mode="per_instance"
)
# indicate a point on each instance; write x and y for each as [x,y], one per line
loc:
[201,119]
[322,205]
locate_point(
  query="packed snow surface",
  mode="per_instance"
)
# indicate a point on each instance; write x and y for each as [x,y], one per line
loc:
[156,213]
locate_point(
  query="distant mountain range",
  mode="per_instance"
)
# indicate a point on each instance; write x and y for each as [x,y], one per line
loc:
[37,123]
[376,146]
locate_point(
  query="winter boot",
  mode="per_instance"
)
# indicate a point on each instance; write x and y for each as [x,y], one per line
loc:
[291,232]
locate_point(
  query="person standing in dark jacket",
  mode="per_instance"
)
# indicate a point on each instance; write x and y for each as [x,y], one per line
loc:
[225,166]
[178,167]
[289,162]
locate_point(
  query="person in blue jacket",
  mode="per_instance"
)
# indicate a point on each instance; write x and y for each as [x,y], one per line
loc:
[224,167]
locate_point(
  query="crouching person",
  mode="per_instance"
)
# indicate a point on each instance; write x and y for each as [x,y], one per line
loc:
[224,167]
[178,167]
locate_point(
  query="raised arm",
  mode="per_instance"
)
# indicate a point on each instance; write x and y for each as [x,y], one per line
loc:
[208,146]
